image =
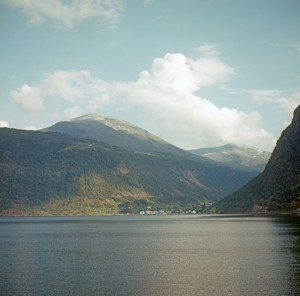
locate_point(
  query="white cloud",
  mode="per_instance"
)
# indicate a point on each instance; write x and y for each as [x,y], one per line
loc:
[181,74]
[264,96]
[288,105]
[70,85]
[166,97]
[208,68]
[73,112]
[207,49]
[286,102]
[29,99]
[4,124]
[68,14]
[97,102]
[171,73]
[190,121]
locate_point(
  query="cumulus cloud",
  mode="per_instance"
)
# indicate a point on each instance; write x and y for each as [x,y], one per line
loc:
[166,96]
[190,121]
[171,73]
[264,96]
[72,86]
[4,124]
[70,13]
[175,72]
[29,99]
[208,68]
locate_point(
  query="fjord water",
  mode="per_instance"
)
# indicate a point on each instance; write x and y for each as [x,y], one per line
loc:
[150,255]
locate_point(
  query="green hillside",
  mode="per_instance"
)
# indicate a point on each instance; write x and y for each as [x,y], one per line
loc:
[55,174]
[277,188]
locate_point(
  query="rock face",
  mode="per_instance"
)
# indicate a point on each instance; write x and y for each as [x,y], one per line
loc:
[277,188]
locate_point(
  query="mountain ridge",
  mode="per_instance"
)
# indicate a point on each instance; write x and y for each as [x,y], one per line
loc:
[239,157]
[119,133]
[118,124]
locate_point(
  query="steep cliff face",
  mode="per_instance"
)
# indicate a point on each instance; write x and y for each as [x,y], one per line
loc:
[277,188]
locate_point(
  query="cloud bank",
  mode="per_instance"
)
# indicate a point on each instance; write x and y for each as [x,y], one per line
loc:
[166,96]
[70,13]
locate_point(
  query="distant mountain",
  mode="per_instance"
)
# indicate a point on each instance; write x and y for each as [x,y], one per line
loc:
[46,173]
[239,157]
[277,188]
[118,133]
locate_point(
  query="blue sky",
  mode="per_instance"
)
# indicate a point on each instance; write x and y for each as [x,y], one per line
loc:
[197,73]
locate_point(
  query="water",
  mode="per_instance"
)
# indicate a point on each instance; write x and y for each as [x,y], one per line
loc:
[143,255]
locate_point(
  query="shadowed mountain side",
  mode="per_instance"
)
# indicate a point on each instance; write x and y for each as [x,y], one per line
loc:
[55,174]
[277,188]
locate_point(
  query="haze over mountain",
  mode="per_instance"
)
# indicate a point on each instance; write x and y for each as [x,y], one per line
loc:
[51,173]
[277,188]
[239,157]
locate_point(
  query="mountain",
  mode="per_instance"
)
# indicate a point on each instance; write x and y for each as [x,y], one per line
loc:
[277,188]
[238,157]
[118,133]
[46,173]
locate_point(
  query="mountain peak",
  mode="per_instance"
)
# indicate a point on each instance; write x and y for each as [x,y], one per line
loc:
[92,116]
[118,133]
[297,113]
[116,124]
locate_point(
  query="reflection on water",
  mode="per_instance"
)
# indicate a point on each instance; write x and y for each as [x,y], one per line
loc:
[160,255]
[289,228]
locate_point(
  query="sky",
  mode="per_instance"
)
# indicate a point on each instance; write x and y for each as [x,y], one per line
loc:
[197,73]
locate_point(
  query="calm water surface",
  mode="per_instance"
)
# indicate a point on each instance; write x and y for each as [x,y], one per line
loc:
[143,255]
